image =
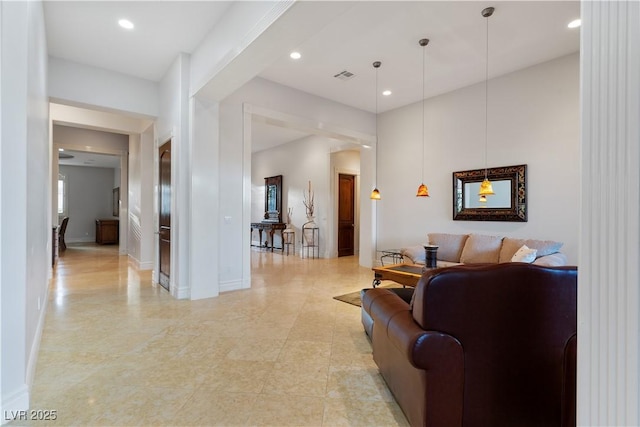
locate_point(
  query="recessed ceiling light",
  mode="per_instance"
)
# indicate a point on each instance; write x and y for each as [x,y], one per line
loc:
[125,23]
[575,23]
[295,55]
[60,149]
[386,92]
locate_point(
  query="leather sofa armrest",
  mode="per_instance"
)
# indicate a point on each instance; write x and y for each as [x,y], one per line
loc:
[440,356]
[400,344]
[424,349]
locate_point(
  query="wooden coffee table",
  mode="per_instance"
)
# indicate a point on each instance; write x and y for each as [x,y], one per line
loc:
[405,274]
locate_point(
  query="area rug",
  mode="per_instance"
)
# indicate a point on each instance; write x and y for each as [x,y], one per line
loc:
[352,298]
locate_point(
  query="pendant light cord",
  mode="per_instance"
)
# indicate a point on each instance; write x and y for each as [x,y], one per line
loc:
[423,102]
[486,100]
[377,138]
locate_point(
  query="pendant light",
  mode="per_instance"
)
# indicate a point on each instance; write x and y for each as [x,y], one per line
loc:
[486,188]
[375,194]
[423,191]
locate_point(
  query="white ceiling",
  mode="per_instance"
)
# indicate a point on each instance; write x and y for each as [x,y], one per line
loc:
[87,32]
[521,34]
[84,158]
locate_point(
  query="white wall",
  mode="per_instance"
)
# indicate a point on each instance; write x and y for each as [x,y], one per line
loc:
[141,217]
[608,371]
[25,229]
[89,197]
[533,120]
[173,124]
[74,83]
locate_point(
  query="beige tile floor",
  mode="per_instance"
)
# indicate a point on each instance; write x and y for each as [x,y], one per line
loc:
[117,350]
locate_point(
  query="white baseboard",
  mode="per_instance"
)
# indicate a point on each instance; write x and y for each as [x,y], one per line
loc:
[146,265]
[181,293]
[80,239]
[37,339]
[232,285]
[15,406]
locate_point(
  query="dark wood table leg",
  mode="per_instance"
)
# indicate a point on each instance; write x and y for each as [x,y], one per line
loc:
[271,236]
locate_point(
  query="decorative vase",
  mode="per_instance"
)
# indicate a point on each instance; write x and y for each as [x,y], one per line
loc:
[310,222]
[308,237]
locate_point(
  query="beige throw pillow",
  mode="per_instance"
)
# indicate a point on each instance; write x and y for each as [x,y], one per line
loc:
[524,254]
[544,247]
[449,245]
[480,249]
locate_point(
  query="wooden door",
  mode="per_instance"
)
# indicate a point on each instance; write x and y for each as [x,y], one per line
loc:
[164,201]
[346,214]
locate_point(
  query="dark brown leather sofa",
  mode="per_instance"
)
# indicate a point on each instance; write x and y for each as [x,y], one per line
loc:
[480,345]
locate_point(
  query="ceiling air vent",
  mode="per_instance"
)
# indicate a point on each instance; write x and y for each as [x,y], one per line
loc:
[344,75]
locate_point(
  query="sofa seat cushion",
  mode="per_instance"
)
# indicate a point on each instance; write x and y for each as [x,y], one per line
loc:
[543,247]
[480,249]
[449,245]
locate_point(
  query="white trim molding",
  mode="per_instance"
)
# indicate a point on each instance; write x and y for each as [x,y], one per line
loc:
[609,274]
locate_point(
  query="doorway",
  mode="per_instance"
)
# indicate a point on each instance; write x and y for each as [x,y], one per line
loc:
[346,214]
[164,209]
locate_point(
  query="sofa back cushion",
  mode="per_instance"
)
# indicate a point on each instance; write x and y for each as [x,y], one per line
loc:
[543,247]
[480,249]
[449,245]
[513,321]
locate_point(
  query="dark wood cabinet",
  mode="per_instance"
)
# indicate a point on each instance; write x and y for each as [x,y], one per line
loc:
[107,231]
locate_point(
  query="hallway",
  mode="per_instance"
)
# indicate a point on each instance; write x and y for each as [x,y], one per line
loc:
[117,350]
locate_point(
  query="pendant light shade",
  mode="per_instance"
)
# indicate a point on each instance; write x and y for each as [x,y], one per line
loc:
[423,191]
[375,194]
[486,189]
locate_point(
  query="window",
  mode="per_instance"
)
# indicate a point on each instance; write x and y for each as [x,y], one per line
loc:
[62,195]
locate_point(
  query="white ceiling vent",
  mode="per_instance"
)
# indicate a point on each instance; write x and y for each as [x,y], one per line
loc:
[344,75]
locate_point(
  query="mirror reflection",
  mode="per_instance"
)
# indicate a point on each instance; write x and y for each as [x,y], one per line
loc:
[273,199]
[500,200]
[509,203]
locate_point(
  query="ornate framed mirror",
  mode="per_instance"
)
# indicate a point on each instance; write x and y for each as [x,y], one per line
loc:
[273,199]
[509,203]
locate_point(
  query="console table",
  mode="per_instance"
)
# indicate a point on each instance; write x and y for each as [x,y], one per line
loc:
[270,227]
[107,231]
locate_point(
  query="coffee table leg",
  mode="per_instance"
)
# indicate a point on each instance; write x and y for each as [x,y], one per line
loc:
[376,279]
